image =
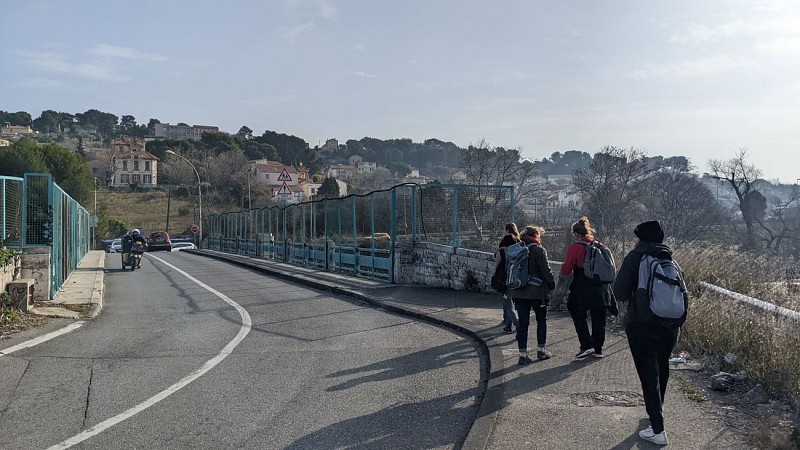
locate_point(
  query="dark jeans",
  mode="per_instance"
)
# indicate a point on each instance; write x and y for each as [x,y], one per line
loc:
[524,312]
[651,347]
[598,336]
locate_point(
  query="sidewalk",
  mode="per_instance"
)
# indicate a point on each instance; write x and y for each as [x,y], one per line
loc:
[82,292]
[553,404]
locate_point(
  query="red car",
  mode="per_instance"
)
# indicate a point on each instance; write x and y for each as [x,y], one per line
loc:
[159,240]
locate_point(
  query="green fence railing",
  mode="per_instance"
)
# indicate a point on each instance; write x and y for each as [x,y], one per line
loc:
[36,212]
[357,234]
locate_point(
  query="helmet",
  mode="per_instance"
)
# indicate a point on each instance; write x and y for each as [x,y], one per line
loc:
[135,232]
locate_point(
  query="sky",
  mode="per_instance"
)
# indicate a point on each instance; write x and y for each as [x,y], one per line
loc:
[698,79]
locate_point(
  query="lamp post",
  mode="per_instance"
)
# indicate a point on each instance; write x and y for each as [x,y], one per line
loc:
[199,194]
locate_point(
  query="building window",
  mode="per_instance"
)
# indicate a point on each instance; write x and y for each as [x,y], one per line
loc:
[137,178]
[124,165]
[148,179]
[147,166]
[135,165]
[124,178]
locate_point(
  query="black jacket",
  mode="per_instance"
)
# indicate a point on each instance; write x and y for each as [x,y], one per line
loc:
[537,267]
[128,240]
[626,284]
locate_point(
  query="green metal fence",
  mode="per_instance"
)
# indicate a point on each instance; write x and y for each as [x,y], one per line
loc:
[36,212]
[357,234]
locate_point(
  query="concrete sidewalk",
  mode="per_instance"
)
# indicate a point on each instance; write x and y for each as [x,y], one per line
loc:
[81,295]
[553,404]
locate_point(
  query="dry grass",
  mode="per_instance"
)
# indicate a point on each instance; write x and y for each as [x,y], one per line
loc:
[148,211]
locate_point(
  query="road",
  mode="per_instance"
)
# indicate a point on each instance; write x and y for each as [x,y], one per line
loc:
[193,353]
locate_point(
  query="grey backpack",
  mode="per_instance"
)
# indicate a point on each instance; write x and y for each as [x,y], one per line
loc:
[598,264]
[661,284]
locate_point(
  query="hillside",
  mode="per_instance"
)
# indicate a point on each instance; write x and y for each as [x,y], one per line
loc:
[148,211]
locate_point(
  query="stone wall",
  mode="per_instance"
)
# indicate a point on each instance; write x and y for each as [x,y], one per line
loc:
[448,267]
[35,264]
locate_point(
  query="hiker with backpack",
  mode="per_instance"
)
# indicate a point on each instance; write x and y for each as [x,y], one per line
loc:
[652,285]
[586,293]
[499,279]
[534,295]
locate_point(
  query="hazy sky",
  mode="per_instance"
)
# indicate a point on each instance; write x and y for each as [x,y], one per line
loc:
[700,79]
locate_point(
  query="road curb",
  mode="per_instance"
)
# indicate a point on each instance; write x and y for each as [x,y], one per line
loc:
[490,395]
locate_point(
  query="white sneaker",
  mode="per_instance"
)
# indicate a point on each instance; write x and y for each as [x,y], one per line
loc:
[658,439]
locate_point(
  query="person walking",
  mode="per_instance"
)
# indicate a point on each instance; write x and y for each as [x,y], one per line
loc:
[585,296]
[509,313]
[534,296]
[650,338]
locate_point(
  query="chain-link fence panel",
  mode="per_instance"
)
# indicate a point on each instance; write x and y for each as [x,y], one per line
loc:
[11,207]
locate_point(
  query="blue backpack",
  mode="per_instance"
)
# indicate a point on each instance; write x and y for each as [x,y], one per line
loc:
[517,267]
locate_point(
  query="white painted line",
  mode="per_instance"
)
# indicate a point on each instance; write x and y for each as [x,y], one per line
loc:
[243,331]
[43,338]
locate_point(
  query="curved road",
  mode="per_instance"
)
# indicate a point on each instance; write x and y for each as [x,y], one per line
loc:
[174,362]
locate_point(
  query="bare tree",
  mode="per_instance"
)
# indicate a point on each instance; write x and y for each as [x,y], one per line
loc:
[740,175]
[611,188]
[682,203]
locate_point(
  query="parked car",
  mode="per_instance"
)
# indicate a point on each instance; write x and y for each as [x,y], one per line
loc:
[116,246]
[183,245]
[159,240]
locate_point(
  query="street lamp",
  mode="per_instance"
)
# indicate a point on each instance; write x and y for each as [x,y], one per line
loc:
[199,194]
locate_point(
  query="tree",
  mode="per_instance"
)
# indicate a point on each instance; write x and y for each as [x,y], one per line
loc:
[610,189]
[682,203]
[18,118]
[740,176]
[245,133]
[68,169]
[105,123]
[329,188]
[400,169]
[52,121]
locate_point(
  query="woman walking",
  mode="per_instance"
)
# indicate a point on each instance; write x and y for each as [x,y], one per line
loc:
[509,314]
[534,296]
[585,295]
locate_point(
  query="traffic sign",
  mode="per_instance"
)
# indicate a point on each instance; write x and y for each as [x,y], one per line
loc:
[195,229]
[284,176]
[284,190]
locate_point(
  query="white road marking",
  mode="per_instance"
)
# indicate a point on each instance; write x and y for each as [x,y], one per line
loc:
[227,350]
[43,338]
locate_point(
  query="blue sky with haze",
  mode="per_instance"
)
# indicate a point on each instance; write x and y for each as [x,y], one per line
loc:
[700,79]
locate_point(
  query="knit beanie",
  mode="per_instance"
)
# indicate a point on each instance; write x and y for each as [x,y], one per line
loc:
[650,232]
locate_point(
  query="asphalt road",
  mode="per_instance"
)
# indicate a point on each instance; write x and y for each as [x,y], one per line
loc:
[240,360]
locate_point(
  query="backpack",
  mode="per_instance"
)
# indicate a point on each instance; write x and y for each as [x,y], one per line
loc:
[498,280]
[598,264]
[517,266]
[661,285]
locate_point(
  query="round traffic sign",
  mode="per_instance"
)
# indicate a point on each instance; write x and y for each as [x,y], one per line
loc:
[195,229]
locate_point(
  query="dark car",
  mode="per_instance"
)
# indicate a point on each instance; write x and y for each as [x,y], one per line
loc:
[159,240]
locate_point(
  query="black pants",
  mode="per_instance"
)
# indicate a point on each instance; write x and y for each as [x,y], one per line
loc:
[598,335]
[651,347]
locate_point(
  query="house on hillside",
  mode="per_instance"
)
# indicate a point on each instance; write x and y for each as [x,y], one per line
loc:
[180,132]
[340,171]
[13,132]
[132,164]
[288,184]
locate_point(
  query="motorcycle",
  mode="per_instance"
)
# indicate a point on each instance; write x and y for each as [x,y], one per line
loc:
[135,256]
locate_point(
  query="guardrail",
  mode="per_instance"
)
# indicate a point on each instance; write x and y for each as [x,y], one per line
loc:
[788,313]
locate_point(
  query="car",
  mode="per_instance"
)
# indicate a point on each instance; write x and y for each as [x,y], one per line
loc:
[183,246]
[116,246]
[159,240]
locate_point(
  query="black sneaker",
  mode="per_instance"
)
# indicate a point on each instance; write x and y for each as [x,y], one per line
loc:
[541,355]
[584,353]
[507,331]
[524,360]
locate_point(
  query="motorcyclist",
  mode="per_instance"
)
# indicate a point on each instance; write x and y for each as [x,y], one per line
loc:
[127,242]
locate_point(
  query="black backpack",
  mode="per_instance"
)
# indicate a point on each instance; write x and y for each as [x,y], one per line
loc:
[498,281]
